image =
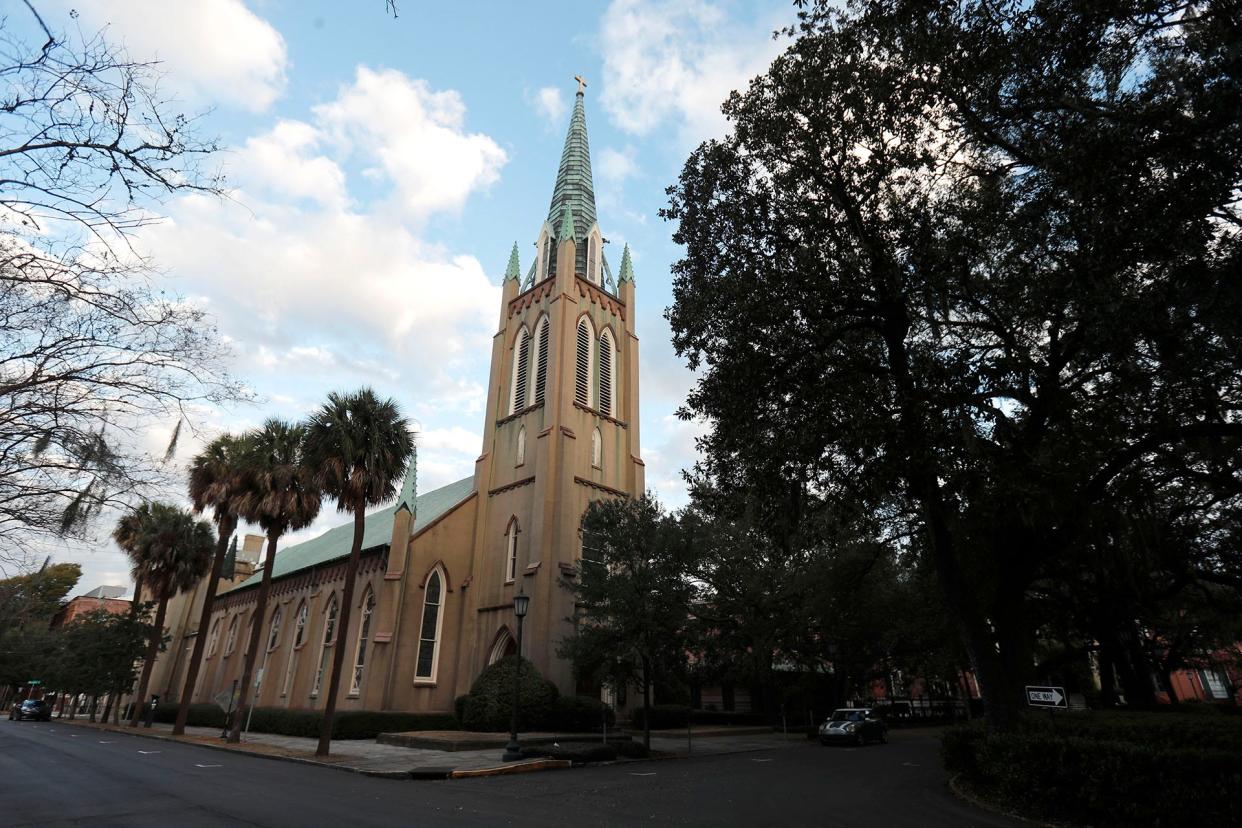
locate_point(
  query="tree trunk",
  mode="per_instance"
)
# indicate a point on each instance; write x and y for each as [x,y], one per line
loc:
[94,705]
[224,529]
[647,703]
[246,698]
[133,605]
[73,706]
[148,663]
[342,631]
[116,708]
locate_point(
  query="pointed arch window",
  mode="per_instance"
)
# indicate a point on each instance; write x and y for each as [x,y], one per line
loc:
[582,364]
[429,631]
[521,446]
[214,639]
[329,631]
[592,270]
[541,360]
[230,643]
[364,633]
[249,632]
[521,364]
[273,637]
[511,552]
[597,448]
[607,375]
[299,638]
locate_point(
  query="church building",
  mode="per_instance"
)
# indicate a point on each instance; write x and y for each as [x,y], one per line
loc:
[440,569]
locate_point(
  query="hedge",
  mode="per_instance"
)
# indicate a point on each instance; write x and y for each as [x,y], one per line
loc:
[593,752]
[346,724]
[1141,777]
[488,706]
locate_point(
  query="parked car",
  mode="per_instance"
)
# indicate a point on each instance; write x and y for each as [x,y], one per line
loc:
[36,709]
[853,726]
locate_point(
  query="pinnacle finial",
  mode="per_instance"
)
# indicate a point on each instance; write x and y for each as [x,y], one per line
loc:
[627,267]
[566,233]
[514,270]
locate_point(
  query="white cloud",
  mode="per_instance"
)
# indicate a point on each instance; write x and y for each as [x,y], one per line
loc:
[677,60]
[417,135]
[213,50]
[616,165]
[281,162]
[549,103]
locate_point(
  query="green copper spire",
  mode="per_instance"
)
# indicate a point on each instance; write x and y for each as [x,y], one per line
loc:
[574,187]
[513,271]
[409,487]
[627,267]
[567,225]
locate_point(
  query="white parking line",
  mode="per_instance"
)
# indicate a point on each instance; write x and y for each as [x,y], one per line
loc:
[207,766]
[761,760]
[148,751]
[642,774]
[105,741]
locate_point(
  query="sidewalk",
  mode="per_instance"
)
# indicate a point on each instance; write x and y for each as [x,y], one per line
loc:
[373,759]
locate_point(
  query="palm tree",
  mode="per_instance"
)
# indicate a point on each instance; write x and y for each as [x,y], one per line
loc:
[280,494]
[128,534]
[217,479]
[172,552]
[359,446]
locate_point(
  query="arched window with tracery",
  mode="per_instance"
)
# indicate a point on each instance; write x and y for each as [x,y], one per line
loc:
[521,365]
[429,630]
[521,447]
[582,363]
[299,638]
[607,374]
[541,361]
[214,638]
[511,538]
[329,631]
[230,643]
[364,633]
[273,637]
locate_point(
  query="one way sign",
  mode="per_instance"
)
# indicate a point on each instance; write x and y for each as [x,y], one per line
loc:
[1046,697]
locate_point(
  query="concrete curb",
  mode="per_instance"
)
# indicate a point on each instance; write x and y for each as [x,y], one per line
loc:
[518,767]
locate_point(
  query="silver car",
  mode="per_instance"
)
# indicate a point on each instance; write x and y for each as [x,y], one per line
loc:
[853,726]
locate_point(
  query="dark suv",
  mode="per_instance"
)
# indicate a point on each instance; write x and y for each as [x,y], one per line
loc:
[36,709]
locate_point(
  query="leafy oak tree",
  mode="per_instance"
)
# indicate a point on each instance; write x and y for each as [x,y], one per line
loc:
[972,266]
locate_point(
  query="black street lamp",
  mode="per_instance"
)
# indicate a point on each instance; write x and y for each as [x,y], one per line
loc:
[513,751]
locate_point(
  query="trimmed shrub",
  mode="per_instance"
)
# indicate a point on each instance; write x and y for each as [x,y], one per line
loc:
[489,705]
[346,724]
[578,714]
[1146,775]
[574,752]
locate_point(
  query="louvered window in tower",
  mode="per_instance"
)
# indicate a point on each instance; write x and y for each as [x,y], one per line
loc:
[521,362]
[541,360]
[582,373]
[606,354]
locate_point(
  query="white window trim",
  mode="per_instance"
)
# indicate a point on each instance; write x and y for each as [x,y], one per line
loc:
[539,343]
[325,641]
[230,641]
[606,336]
[425,681]
[273,631]
[520,344]
[511,542]
[299,641]
[355,682]
[592,380]
[213,637]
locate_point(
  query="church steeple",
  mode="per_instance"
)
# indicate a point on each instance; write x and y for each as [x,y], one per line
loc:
[574,188]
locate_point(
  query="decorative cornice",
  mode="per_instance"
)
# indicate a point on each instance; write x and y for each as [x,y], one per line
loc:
[601,415]
[592,484]
[592,291]
[514,485]
[533,294]
[515,415]
[569,432]
[508,605]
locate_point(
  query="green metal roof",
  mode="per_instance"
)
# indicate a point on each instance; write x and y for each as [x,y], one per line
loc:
[334,544]
[574,187]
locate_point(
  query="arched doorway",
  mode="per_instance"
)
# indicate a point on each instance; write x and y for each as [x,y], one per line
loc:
[505,645]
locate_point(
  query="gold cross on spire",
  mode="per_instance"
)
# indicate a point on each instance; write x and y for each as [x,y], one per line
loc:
[581,83]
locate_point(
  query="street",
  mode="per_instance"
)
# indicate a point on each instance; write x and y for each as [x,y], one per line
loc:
[62,774]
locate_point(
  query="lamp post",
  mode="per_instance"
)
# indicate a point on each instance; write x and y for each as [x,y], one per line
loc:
[513,751]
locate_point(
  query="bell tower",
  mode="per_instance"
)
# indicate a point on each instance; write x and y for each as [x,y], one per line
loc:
[561,426]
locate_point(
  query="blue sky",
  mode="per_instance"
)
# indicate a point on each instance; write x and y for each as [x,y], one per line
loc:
[380,170]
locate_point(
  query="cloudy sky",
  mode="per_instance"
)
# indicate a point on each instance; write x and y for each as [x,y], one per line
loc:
[381,169]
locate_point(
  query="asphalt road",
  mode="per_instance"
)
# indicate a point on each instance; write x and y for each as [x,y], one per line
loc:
[59,774]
